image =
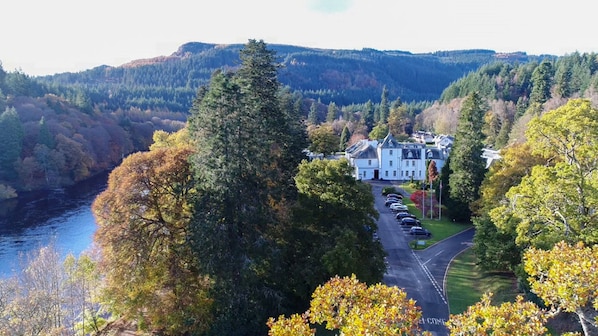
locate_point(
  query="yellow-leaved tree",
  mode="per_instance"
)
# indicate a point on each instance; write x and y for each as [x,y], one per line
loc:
[354,308]
[519,318]
[566,278]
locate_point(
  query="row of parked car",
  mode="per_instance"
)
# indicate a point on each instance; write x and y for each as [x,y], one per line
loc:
[406,219]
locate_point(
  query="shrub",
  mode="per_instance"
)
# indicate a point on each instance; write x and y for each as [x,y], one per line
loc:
[389,190]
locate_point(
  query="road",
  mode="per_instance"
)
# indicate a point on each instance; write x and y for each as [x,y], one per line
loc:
[419,273]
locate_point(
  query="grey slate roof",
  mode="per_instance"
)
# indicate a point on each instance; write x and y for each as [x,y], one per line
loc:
[411,154]
[389,142]
[368,152]
[434,154]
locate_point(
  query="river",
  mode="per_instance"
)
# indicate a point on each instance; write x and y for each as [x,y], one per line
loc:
[62,217]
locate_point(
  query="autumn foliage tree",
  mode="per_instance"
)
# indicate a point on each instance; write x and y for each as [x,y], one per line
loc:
[557,201]
[566,279]
[143,231]
[351,307]
[520,318]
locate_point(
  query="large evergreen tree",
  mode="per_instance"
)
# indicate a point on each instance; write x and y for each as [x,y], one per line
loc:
[249,143]
[541,82]
[467,165]
[384,106]
[367,116]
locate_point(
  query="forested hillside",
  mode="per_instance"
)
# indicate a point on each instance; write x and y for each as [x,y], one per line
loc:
[514,93]
[341,76]
[49,141]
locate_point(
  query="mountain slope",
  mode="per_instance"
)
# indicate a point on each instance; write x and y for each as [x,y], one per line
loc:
[343,76]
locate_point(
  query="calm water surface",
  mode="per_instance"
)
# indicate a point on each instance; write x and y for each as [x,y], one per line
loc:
[62,217]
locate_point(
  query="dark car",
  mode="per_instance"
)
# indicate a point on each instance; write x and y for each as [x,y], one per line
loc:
[404,213]
[410,221]
[419,231]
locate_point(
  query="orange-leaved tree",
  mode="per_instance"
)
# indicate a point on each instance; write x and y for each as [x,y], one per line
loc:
[143,232]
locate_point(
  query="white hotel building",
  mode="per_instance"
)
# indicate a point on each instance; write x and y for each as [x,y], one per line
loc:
[389,159]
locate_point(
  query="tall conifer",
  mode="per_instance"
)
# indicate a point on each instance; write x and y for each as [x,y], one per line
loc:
[468,167]
[11,142]
[249,142]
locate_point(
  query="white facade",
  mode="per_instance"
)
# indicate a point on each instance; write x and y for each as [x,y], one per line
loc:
[392,160]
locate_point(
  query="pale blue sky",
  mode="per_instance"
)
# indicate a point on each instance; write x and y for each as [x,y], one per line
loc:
[49,36]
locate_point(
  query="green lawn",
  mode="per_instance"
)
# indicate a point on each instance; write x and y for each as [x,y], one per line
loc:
[440,229]
[466,284]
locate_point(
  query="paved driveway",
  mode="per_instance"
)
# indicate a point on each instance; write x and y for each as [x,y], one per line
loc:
[419,273]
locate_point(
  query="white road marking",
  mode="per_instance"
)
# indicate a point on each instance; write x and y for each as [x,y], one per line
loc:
[430,277]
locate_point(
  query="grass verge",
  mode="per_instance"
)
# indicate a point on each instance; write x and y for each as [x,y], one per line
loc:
[440,229]
[466,284]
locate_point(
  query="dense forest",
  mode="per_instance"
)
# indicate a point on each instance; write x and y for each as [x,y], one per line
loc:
[49,141]
[326,75]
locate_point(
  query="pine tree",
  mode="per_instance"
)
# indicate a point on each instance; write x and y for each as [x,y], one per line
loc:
[368,115]
[11,142]
[384,106]
[45,137]
[312,118]
[467,165]
[345,136]
[541,83]
[249,141]
[331,115]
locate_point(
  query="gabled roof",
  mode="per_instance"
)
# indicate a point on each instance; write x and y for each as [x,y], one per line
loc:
[434,154]
[366,152]
[411,154]
[354,147]
[389,142]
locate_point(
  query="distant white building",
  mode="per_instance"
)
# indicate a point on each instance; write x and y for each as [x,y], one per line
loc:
[389,159]
[444,141]
[491,155]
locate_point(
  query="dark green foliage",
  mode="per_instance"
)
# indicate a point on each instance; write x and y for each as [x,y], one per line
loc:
[312,118]
[332,111]
[502,138]
[388,190]
[11,143]
[333,225]
[542,82]
[45,137]
[19,84]
[495,250]
[248,139]
[342,76]
[226,234]
[384,108]
[345,136]
[367,115]
[468,168]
